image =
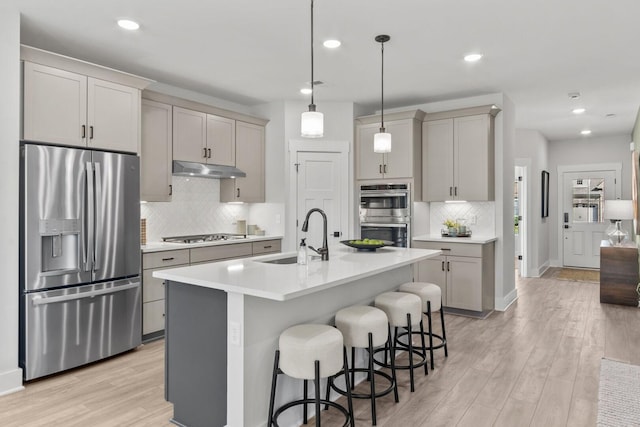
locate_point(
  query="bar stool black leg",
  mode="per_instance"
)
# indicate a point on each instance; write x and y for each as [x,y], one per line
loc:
[274,379]
[424,351]
[393,366]
[348,388]
[444,334]
[372,381]
[430,332]
[410,352]
[304,406]
[317,396]
[353,365]
[328,394]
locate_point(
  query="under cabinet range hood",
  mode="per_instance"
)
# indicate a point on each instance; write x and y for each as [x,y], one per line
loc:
[203,170]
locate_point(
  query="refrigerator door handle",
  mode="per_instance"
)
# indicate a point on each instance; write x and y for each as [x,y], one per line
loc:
[38,300]
[90,218]
[98,218]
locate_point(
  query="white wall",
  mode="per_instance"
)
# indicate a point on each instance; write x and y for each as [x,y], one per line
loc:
[10,374]
[531,151]
[586,150]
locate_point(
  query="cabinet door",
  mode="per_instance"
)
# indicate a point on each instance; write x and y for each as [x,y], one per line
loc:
[55,105]
[399,162]
[464,283]
[432,270]
[368,163]
[473,164]
[113,116]
[221,140]
[437,160]
[189,135]
[249,159]
[152,316]
[155,152]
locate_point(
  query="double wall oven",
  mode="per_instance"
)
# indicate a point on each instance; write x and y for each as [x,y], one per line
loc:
[385,213]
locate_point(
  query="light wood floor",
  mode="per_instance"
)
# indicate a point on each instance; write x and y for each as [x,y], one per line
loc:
[536,364]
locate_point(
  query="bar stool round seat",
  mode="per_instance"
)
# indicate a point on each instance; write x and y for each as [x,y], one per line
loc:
[365,327]
[403,311]
[431,296]
[310,352]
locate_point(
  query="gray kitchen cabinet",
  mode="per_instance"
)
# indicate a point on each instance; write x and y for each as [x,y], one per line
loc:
[153,292]
[404,159]
[156,152]
[203,138]
[250,146]
[458,155]
[63,107]
[465,273]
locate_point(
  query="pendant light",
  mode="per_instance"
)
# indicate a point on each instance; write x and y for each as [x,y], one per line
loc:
[382,139]
[312,121]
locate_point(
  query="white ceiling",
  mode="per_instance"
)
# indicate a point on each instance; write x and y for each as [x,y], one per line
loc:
[250,52]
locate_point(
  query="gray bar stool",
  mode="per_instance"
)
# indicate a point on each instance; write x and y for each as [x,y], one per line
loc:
[431,296]
[365,327]
[403,311]
[310,352]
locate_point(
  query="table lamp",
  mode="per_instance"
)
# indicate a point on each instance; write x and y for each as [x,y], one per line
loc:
[616,211]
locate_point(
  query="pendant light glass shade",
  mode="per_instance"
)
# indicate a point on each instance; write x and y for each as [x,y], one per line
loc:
[382,142]
[312,121]
[382,139]
[312,124]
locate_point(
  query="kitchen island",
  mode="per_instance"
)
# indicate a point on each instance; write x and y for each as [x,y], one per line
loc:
[223,322]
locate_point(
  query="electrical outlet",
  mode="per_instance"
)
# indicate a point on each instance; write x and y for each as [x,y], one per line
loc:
[234,333]
[474,219]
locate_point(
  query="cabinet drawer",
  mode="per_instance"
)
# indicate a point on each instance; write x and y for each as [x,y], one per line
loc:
[165,258]
[266,246]
[213,253]
[456,249]
[152,317]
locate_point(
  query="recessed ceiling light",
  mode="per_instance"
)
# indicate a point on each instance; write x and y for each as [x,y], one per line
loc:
[331,44]
[128,24]
[305,91]
[585,132]
[473,57]
[578,110]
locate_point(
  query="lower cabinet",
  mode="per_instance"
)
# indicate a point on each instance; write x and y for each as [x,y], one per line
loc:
[465,273]
[153,293]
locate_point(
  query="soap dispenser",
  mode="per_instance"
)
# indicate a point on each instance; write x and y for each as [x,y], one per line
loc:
[302,252]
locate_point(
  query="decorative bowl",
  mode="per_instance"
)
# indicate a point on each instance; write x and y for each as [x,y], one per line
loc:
[364,246]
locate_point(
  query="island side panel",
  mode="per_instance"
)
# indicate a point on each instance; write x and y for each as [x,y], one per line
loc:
[196,354]
[264,320]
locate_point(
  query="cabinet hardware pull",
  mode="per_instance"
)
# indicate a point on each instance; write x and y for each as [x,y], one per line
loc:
[90,132]
[451,191]
[455,191]
[380,168]
[209,150]
[171,189]
[384,168]
[442,265]
[84,131]
[168,259]
[448,266]
[205,153]
[238,192]
[445,249]
[268,247]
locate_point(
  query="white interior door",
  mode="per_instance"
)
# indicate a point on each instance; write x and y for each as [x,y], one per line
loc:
[583,221]
[320,184]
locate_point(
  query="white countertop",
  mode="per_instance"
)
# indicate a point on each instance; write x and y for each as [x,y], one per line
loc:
[283,282]
[167,246]
[478,240]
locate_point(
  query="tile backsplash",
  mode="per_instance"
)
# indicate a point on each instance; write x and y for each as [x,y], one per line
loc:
[484,213]
[194,208]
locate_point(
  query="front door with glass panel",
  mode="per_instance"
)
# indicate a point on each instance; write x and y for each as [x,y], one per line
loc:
[583,217]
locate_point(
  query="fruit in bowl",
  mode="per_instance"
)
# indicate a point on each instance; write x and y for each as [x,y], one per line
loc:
[367,242]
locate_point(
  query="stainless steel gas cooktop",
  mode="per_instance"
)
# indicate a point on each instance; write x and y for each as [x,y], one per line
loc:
[198,238]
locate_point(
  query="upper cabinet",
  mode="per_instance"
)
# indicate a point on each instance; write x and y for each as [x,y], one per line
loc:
[155,152]
[204,138]
[404,159]
[458,155]
[75,103]
[249,154]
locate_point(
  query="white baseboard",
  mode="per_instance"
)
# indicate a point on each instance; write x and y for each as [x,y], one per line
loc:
[555,263]
[11,381]
[502,304]
[541,270]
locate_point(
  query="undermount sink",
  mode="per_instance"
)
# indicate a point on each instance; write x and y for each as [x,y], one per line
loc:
[287,260]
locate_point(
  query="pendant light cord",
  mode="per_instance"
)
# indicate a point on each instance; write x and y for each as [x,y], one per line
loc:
[382,89]
[312,54]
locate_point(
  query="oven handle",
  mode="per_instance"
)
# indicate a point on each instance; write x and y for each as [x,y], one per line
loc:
[376,194]
[378,224]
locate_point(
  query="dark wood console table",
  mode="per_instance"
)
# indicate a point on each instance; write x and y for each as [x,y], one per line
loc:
[619,273]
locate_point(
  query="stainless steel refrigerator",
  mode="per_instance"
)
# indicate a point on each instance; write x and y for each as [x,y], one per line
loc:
[79,257]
